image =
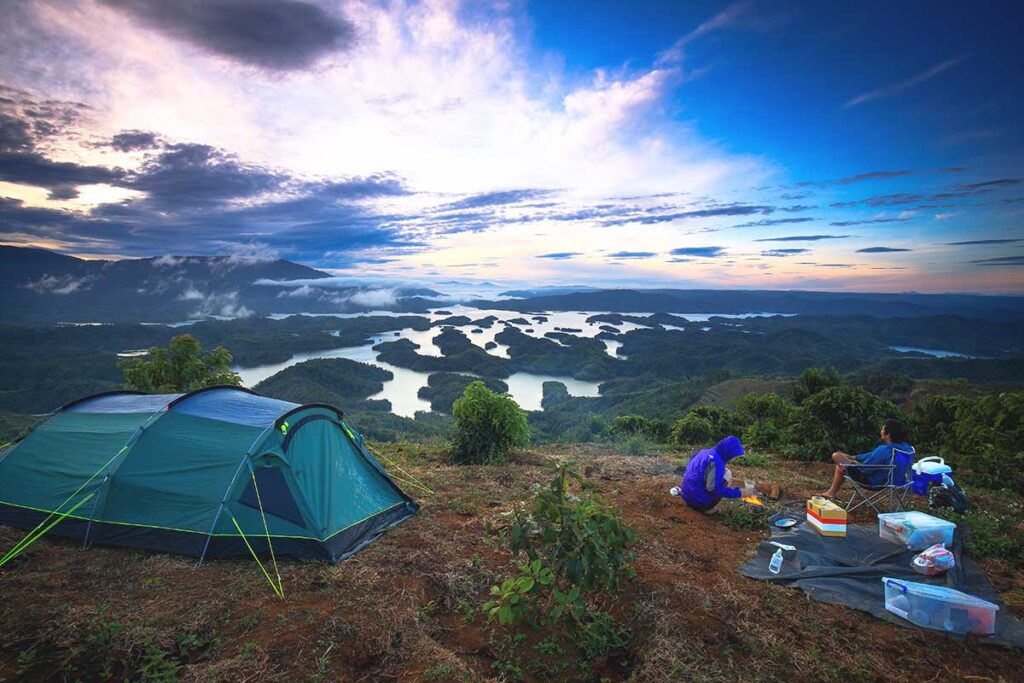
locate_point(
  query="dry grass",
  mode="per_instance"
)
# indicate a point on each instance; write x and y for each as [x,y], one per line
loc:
[405,608]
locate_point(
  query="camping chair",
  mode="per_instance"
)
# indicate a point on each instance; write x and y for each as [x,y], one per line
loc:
[888,497]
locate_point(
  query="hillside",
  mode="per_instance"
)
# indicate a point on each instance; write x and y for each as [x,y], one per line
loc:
[406,608]
[40,286]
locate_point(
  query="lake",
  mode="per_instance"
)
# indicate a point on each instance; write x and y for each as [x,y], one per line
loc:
[526,388]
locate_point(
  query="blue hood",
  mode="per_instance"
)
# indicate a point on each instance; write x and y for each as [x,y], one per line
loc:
[729,448]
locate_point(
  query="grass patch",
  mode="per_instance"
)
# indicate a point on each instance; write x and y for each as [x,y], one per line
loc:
[743,516]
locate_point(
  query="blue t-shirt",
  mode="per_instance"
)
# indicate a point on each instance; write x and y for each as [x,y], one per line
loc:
[882,455]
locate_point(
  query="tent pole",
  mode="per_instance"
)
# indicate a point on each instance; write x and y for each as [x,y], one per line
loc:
[92,512]
[227,492]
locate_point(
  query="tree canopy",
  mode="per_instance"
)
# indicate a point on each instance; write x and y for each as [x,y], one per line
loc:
[180,367]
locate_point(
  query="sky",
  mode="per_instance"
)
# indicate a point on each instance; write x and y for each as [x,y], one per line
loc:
[861,146]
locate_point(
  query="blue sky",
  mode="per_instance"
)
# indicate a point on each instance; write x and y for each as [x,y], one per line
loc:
[846,146]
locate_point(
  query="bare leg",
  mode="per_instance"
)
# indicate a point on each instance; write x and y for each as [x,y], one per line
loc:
[837,477]
[837,481]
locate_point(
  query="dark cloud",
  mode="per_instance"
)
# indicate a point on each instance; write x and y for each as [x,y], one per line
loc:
[132,140]
[497,198]
[726,210]
[365,187]
[803,238]
[868,221]
[896,199]
[63,192]
[859,178]
[773,221]
[881,250]
[279,35]
[29,168]
[973,242]
[561,255]
[1000,182]
[189,175]
[1001,261]
[784,252]
[632,254]
[704,252]
[14,134]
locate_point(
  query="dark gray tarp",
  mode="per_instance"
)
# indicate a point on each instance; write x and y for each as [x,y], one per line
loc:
[848,571]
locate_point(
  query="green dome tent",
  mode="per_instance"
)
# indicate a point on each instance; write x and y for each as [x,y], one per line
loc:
[218,472]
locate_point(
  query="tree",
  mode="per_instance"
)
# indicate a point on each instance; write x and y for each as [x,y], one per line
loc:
[813,381]
[845,418]
[692,429]
[180,367]
[487,426]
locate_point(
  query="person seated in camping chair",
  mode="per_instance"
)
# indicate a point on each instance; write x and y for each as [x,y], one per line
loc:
[894,434]
[706,480]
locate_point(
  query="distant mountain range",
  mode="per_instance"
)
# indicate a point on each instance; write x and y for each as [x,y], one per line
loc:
[37,285]
[899,305]
[41,286]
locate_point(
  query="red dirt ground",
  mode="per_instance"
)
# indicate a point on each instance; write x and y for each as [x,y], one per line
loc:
[406,607]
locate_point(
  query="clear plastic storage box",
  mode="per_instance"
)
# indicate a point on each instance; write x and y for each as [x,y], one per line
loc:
[915,530]
[940,608]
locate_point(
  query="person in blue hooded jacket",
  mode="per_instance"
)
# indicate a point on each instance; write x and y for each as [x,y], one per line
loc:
[706,480]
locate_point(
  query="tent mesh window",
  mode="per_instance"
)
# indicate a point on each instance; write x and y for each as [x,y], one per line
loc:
[274,494]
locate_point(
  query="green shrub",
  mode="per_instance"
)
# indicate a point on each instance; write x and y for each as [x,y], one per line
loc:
[933,423]
[580,537]
[638,425]
[636,445]
[990,439]
[813,381]
[991,536]
[840,418]
[487,426]
[741,516]
[691,429]
[574,544]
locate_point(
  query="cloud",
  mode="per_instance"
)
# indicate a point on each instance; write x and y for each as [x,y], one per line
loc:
[802,238]
[773,221]
[497,198]
[703,252]
[632,254]
[784,252]
[881,250]
[299,292]
[30,168]
[974,242]
[277,35]
[1001,261]
[133,140]
[58,284]
[897,88]
[14,134]
[560,255]
[735,209]
[869,221]
[724,19]
[859,178]
[63,192]
[225,305]
[198,176]
[1000,182]
[372,298]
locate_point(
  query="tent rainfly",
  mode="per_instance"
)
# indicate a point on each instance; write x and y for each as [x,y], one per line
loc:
[218,472]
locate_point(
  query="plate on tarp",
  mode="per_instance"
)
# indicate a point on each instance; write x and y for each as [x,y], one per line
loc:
[785,522]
